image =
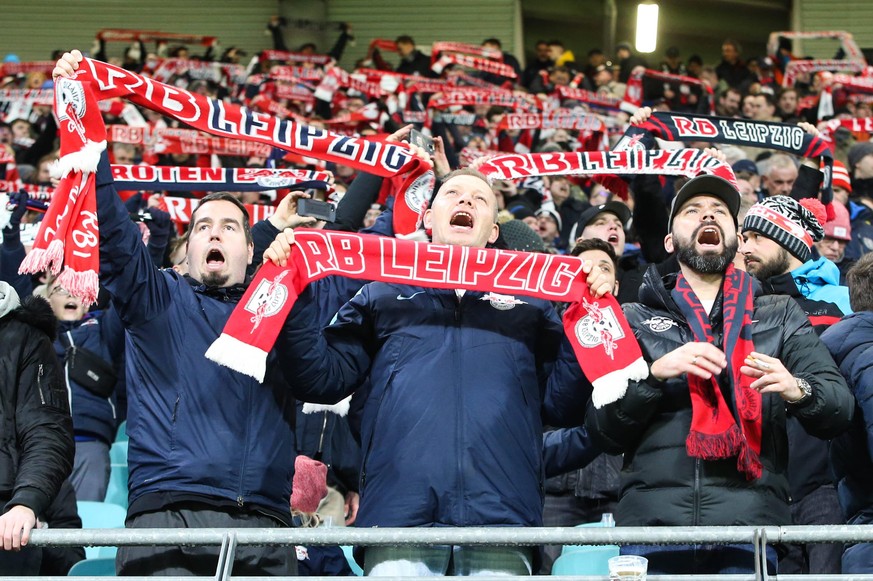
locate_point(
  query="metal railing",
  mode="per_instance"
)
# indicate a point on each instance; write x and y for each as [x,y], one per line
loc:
[229,539]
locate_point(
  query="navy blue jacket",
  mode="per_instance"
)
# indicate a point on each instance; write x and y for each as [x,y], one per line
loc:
[451,427]
[851,343]
[196,429]
[101,333]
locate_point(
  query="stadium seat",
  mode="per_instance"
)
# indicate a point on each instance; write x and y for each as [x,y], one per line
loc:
[585,560]
[118,453]
[121,434]
[116,491]
[100,515]
[93,568]
[572,548]
[356,569]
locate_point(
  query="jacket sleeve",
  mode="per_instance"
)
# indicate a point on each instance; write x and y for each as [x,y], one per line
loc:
[139,291]
[11,255]
[352,209]
[618,426]
[327,364]
[829,411]
[263,234]
[650,216]
[568,390]
[567,449]
[62,514]
[43,427]
[112,336]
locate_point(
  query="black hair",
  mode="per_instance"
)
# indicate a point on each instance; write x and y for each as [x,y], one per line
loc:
[227,197]
[596,244]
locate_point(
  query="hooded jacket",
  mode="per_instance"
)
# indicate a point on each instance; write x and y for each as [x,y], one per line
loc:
[819,280]
[862,229]
[808,467]
[661,483]
[36,433]
[850,342]
[99,332]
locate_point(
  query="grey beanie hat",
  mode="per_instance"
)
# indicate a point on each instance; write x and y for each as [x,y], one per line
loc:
[856,153]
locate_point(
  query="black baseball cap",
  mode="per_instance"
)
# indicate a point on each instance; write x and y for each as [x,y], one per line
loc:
[707,185]
[619,209]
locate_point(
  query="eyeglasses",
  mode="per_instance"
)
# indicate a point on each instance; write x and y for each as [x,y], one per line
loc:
[59,290]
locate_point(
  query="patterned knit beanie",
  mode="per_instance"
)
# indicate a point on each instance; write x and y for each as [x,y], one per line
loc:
[794,225]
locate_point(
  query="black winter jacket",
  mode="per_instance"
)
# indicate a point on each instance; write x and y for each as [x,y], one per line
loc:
[36,432]
[661,484]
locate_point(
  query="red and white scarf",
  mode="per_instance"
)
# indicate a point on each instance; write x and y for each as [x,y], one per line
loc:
[472,62]
[227,120]
[676,162]
[554,119]
[68,236]
[602,340]
[494,98]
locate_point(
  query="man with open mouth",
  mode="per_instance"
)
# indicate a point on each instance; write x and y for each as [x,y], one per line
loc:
[703,436]
[459,383]
[209,447]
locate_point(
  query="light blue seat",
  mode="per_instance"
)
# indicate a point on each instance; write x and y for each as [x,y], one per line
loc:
[100,515]
[121,434]
[356,569]
[116,490]
[585,560]
[118,453]
[93,568]
[571,548]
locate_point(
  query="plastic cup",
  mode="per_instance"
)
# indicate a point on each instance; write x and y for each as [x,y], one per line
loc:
[627,567]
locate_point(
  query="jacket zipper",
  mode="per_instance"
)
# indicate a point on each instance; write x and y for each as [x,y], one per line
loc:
[320,451]
[39,383]
[240,500]
[696,520]
[67,370]
[460,412]
[373,432]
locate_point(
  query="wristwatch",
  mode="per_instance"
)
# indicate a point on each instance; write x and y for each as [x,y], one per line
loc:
[805,389]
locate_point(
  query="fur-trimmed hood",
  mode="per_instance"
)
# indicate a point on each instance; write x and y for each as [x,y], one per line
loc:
[36,312]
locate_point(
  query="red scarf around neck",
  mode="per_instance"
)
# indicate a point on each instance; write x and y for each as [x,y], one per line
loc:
[715,433]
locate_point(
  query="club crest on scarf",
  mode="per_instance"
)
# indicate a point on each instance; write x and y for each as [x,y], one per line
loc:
[417,195]
[502,302]
[71,106]
[599,327]
[268,299]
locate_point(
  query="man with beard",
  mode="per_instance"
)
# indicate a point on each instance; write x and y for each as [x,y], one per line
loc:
[209,447]
[703,436]
[778,233]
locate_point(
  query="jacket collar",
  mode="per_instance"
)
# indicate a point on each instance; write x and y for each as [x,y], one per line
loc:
[225,294]
[781,284]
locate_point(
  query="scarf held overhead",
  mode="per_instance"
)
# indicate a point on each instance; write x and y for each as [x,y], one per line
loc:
[227,120]
[601,338]
[68,235]
[779,136]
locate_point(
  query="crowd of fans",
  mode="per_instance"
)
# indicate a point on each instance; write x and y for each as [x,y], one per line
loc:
[398,89]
